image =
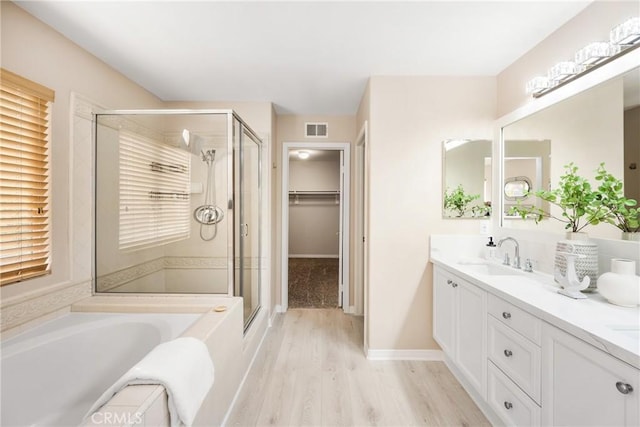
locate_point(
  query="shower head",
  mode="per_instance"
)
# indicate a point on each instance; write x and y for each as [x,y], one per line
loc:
[208,155]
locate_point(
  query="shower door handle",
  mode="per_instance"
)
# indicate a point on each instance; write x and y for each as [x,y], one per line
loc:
[244,230]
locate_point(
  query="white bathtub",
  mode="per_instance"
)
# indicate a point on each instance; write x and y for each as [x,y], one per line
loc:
[53,373]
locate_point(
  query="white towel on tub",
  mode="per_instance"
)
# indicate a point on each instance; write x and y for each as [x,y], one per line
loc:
[183,366]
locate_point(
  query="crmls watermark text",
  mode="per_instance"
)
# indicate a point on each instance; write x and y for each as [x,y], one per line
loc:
[116,418]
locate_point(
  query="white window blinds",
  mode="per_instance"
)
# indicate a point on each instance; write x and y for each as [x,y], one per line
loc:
[24,178]
[154,192]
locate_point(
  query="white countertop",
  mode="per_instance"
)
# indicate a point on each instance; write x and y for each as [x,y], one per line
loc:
[613,329]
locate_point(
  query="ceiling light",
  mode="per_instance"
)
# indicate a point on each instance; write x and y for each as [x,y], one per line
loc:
[626,33]
[186,137]
[303,155]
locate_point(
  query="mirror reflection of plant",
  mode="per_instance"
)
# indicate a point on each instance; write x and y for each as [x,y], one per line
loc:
[458,201]
[575,198]
[620,211]
[481,210]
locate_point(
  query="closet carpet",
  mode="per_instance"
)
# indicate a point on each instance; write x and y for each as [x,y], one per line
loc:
[313,282]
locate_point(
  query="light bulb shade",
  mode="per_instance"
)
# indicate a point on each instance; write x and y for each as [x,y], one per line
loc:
[627,33]
[595,52]
[303,155]
[537,85]
[562,71]
[186,137]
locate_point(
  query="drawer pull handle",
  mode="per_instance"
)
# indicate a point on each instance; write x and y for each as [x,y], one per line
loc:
[624,388]
[506,315]
[509,353]
[508,405]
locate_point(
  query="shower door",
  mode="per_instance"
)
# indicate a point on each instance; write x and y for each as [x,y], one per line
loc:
[247,218]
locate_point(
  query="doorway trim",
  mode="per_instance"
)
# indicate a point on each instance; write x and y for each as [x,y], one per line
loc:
[345,216]
[361,215]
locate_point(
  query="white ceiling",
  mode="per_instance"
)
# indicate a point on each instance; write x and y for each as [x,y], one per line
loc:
[305,57]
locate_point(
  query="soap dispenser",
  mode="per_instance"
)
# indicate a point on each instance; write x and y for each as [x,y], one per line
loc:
[490,249]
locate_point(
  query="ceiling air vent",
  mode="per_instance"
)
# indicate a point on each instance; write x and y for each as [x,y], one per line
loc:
[316,130]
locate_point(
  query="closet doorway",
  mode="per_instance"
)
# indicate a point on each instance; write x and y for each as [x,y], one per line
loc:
[315,225]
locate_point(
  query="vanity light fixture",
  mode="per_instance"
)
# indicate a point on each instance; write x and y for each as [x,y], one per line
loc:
[626,33]
[562,71]
[537,85]
[594,53]
[303,155]
[623,39]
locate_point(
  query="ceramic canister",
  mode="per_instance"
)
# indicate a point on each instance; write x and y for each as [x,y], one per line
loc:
[621,286]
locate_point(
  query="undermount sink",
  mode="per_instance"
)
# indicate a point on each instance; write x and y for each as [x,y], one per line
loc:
[631,330]
[488,269]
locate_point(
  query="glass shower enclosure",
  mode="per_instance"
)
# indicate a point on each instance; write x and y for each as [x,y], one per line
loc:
[177,204]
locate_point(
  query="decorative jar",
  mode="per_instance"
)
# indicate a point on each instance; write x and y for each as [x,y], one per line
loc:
[621,286]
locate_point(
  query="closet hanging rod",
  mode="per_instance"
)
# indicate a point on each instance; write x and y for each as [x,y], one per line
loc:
[329,192]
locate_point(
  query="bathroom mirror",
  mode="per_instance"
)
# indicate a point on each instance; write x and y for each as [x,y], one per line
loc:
[466,178]
[597,125]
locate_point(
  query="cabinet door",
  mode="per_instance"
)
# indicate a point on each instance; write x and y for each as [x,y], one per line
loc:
[585,386]
[444,311]
[471,334]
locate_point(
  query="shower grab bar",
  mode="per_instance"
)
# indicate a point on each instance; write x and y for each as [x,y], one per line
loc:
[166,168]
[168,195]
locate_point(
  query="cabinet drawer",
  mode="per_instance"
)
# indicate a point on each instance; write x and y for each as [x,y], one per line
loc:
[509,402]
[518,357]
[526,324]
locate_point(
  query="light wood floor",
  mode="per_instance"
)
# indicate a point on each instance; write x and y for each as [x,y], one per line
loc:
[311,370]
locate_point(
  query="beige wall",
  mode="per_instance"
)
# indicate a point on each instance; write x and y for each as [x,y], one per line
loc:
[37,52]
[592,24]
[409,119]
[632,153]
[290,128]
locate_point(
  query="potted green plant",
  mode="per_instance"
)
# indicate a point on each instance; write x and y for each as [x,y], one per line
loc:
[575,198]
[620,211]
[458,201]
[578,208]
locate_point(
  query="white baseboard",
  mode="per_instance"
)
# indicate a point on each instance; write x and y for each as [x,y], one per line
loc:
[313,256]
[426,355]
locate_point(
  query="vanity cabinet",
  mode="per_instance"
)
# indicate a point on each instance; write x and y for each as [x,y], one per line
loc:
[459,324]
[582,385]
[513,352]
[524,371]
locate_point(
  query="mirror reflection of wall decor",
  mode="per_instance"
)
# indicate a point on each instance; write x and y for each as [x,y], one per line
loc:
[517,188]
[594,126]
[526,163]
[466,178]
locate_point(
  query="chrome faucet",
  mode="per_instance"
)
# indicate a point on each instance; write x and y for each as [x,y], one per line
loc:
[516,255]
